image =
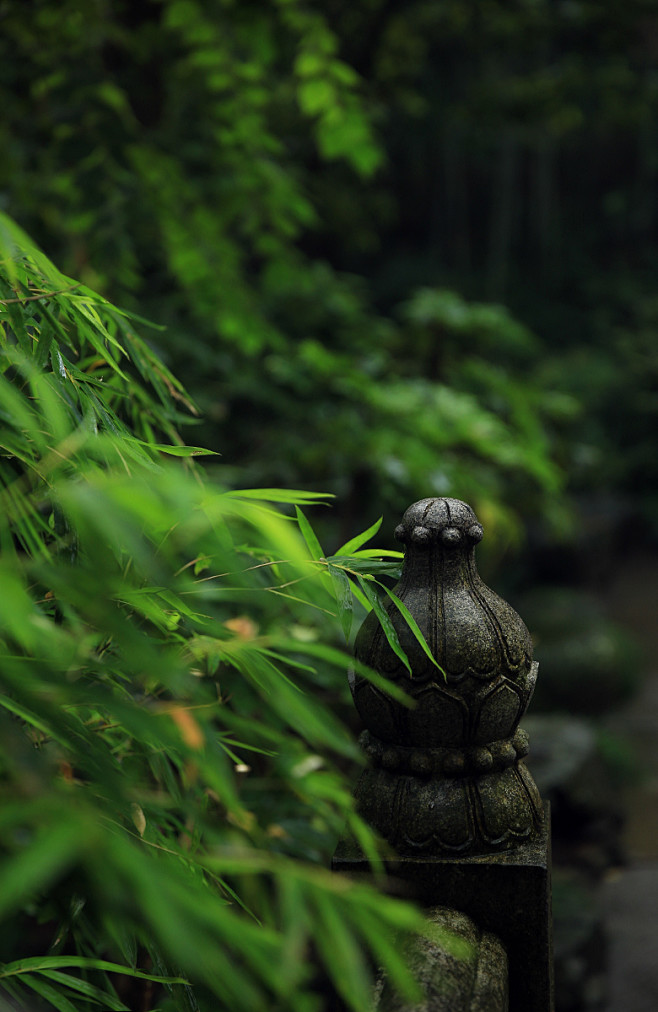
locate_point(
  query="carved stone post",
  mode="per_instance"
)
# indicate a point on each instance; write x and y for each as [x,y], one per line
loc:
[447,786]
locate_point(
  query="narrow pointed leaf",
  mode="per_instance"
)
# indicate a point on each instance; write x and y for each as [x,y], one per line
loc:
[343,592]
[385,622]
[354,543]
[52,995]
[282,495]
[107,1001]
[312,543]
[36,964]
[413,625]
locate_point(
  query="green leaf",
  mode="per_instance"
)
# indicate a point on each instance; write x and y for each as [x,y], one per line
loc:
[413,625]
[385,622]
[354,543]
[15,991]
[54,997]
[282,495]
[343,592]
[343,661]
[30,718]
[365,564]
[42,348]
[32,869]
[388,952]
[378,553]
[342,954]
[105,998]
[37,964]
[308,534]
[315,95]
[173,450]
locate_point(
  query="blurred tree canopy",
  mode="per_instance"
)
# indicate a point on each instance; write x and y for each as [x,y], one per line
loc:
[172,776]
[289,186]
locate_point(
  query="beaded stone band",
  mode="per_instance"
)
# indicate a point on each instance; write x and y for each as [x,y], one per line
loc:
[451,762]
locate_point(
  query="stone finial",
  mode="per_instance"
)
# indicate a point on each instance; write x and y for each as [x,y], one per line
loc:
[467,973]
[447,775]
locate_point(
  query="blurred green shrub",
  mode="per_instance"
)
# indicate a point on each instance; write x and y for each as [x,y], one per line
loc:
[588,663]
[203,162]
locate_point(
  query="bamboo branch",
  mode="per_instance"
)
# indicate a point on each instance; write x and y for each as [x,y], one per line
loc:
[35,298]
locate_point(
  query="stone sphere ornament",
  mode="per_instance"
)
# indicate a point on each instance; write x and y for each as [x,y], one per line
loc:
[446,776]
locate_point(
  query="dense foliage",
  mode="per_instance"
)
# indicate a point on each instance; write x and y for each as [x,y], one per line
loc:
[225,170]
[393,249]
[171,774]
[236,170]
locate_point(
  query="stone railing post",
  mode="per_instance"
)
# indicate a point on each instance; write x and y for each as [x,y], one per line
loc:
[446,785]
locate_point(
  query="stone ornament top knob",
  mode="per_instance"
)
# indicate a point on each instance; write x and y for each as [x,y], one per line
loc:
[447,774]
[471,631]
[448,521]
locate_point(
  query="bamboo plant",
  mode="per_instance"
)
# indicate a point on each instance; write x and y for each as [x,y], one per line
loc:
[171,776]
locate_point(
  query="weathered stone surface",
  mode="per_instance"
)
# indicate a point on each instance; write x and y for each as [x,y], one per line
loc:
[450,813]
[447,776]
[447,786]
[460,968]
[507,893]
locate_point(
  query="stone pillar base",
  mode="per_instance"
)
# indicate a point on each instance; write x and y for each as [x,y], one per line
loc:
[506,893]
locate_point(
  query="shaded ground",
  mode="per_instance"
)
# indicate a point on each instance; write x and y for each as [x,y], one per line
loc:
[630,895]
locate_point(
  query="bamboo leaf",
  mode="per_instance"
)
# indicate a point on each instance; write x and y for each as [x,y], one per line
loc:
[354,543]
[385,622]
[282,495]
[47,856]
[54,997]
[308,534]
[387,951]
[174,451]
[38,964]
[104,998]
[413,625]
[339,659]
[343,955]
[343,592]
[365,565]
[30,718]
[378,553]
